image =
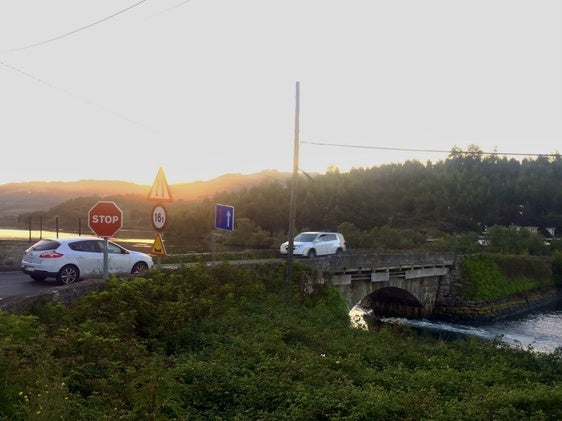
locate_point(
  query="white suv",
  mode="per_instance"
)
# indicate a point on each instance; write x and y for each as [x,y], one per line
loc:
[315,243]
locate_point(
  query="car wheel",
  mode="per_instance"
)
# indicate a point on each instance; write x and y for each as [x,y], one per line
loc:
[311,254]
[339,252]
[68,274]
[139,268]
[38,277]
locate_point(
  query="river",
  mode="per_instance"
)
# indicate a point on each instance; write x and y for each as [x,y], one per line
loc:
[540,330]
[127,236]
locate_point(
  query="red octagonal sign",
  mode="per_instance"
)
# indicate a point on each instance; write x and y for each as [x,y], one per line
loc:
[105,219]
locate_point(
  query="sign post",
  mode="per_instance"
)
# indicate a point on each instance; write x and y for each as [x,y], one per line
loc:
[159,192]
[224,220]
[105,219]
[158,248]
[224,217]
[159,218]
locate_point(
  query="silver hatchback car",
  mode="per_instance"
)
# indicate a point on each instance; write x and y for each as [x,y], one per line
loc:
[69,259]
[315,243]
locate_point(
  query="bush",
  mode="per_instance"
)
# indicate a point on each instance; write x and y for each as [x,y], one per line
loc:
[557,267]
[225,342]
[490,277]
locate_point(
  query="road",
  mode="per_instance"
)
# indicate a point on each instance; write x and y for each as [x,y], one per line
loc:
[17,283]
[14,283]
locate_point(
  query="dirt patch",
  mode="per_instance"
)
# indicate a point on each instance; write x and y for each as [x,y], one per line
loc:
[11,252]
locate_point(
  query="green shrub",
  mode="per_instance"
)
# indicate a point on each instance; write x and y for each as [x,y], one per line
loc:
[512,266]
[225,342]
[557,267]
[486,277]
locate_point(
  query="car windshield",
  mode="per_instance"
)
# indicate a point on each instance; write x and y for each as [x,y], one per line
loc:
[304,237]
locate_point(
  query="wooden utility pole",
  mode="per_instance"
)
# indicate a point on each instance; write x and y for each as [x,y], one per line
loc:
[293,204]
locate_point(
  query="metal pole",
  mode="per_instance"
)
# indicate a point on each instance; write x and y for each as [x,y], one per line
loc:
[105,258]
[293,205]
[213,246]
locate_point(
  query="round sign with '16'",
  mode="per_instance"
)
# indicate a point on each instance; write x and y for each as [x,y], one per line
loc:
[159,218]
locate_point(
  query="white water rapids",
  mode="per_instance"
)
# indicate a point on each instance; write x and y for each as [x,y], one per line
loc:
[539,331]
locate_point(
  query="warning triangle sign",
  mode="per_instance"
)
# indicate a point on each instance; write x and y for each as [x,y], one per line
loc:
[160,191]
[158,248]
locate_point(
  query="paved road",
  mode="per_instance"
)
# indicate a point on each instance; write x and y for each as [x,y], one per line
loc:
[18,283]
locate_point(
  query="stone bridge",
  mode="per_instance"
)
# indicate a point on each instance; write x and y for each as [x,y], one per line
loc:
[397,284]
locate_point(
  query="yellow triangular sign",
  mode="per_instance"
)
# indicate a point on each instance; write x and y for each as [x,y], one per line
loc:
[158,248]
[160,191]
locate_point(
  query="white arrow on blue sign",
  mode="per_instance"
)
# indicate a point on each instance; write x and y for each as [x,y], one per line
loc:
[224,217]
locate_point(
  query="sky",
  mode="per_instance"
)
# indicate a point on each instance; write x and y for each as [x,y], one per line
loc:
[116,89]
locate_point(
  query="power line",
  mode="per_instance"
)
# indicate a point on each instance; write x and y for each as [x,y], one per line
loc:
[341,145]
[173,7]
[37,44]
[67,92]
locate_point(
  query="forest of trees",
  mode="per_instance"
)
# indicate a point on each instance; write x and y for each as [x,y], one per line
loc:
[393,206]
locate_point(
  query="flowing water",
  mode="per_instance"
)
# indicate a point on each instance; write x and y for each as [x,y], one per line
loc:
[127,236]
[539,330]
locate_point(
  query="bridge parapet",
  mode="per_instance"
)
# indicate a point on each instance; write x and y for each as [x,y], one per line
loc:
[391,260]
[382,267]
[359,275]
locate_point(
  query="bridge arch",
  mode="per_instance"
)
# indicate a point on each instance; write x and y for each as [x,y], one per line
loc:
[400,284]
[393,302]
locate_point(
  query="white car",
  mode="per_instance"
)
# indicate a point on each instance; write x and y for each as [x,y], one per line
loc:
[69,259]
[315,243]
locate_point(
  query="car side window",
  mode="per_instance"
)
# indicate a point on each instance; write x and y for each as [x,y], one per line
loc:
[43,245]
[85,246]
[113,248]
[330,237]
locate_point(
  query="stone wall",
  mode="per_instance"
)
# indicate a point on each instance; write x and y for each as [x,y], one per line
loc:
[64,294]
[487,311]
[450,306]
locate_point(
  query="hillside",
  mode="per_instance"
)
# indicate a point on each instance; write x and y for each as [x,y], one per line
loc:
[391,207]
[18,198]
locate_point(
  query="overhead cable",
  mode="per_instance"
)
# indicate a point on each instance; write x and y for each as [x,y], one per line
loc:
[37,44]
[341,145]
[67,92]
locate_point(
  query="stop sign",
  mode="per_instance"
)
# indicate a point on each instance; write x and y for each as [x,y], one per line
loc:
[105,219]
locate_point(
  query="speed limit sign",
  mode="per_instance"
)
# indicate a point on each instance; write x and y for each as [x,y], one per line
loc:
[159,218]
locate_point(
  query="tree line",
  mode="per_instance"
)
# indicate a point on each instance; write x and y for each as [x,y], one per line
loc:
[392,206]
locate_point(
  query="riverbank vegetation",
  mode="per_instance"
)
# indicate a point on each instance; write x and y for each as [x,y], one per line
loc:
[488,277]
[224,342]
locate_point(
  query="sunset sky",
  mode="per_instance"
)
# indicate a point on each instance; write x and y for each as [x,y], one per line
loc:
[116,89]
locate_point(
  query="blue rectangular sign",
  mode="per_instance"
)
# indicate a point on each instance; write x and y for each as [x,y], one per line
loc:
[224,217]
